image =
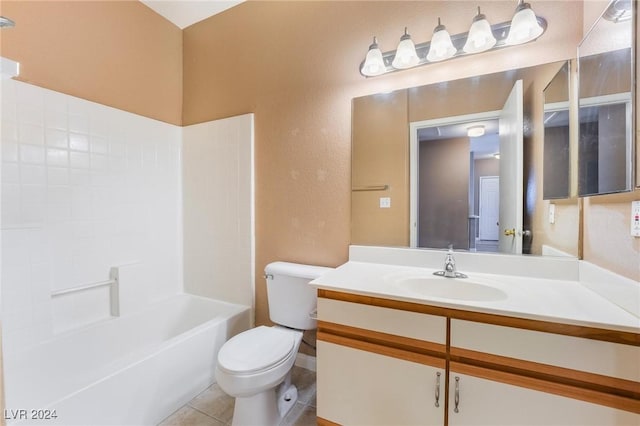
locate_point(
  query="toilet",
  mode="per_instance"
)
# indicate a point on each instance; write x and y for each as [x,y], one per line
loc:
[255,366]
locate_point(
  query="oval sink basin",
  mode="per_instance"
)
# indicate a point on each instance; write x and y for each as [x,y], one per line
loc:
[451,288]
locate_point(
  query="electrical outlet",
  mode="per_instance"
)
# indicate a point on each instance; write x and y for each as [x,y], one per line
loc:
[552,213]
[385,202]
[635,218]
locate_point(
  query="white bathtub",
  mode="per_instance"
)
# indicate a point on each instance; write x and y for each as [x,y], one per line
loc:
[132,370]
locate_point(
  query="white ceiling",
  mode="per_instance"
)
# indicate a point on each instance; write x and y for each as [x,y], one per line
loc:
[187,12]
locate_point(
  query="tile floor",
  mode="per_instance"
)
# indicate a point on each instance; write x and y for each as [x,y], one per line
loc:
[215,408]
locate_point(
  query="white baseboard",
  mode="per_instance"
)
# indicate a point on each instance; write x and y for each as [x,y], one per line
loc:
[306,361]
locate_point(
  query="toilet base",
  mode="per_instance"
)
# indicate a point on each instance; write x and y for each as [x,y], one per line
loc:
[287,400]
[265,408]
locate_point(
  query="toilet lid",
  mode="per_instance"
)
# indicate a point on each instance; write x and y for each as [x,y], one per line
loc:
[256,349]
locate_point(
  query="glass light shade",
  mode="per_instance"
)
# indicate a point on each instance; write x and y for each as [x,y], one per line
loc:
[373,63]
[406,56]
[524,26]
[480,37]
[441,47]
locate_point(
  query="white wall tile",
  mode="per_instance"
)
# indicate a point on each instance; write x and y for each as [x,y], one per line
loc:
[10,216]
[78,142]
[218,209]
[57,175]
[57,138]
[32,154]
[99,144]
[9,130]
[79,160]
[9,149]
[75,199]
[56,119]
[33,175]
[10,173]
[79,122]
[31,134]
[30,114]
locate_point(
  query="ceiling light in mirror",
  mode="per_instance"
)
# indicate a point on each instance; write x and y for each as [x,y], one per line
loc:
[475,131]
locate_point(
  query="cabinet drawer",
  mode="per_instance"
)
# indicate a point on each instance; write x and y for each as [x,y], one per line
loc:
[575,353]
[413,325]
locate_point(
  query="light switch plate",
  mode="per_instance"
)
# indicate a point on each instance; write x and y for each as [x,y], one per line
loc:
[552,213]
[385,202]
[635,218]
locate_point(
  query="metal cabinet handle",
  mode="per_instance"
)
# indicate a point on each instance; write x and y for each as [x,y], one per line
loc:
[457,396]
[437,389]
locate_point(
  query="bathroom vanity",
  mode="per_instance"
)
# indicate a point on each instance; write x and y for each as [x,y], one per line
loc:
[397,345]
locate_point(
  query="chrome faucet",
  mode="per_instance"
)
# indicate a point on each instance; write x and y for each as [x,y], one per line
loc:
[450,266]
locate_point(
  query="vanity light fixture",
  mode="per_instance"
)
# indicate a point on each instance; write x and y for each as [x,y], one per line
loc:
[475,131]
[373,63]
[406,56]
[481,37]
[524,25]
[441,47]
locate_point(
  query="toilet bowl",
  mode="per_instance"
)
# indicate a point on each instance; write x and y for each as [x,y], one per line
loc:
[259,378]
[255,366]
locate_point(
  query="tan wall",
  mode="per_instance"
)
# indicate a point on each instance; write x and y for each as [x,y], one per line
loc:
[380,154]
[117,53]
[295,65]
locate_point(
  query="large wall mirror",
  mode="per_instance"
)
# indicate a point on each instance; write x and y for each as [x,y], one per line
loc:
[606,86]
[457,162]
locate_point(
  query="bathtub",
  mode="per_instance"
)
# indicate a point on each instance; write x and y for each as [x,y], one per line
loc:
[132,370]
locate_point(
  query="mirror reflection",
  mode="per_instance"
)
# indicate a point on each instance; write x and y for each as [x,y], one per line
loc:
[556,137]
[422,178]
[605,70]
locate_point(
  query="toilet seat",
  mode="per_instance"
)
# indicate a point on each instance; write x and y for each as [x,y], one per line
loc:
[255,350]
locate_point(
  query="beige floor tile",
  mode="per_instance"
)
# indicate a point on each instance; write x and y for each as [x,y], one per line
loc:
[214,402]
[305,381]
[187,416]
[300,415]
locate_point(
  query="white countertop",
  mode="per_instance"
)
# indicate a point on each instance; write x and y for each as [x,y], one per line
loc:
[560,301]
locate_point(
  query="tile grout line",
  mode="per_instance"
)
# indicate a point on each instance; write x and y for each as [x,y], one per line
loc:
[206,414]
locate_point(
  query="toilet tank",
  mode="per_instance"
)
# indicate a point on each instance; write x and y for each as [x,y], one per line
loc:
[291,299]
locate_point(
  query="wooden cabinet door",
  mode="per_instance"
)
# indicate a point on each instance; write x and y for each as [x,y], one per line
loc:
[357,387]
[485,402]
